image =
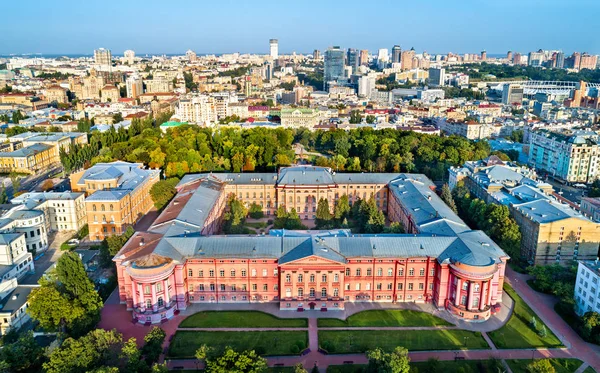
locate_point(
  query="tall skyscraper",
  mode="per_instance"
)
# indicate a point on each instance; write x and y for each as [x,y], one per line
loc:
[517,58]
[512,94]
[352,59]
[274,48]
[437,76]
[134,86]
[560,60]
[129,56]
[406,61]
[396,54]
[588,61]
[383,57]
[364,57]
[483,55]
[509,56]
[334,64]
[576,60]
[316,55]
[103,57]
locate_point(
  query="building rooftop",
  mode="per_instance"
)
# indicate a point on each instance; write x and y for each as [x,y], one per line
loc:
[16,298]
[26,151]
[592,265]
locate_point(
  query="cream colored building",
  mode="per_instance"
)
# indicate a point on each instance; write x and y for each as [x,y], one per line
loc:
[92,85]
[110,93]
[296,118]
[64,211]
[158,85]
[56,94]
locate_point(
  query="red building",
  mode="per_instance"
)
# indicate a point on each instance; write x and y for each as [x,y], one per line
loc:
[179,260]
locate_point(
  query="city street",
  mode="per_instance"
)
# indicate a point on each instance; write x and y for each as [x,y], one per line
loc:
[49,258]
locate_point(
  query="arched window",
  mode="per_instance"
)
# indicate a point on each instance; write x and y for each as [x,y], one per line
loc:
[288,292]
[288,278]
[222,272]
[324,293]
[148,303]
[300,292]
[358,271]
[233,273]
[369,272]
[161,302]
[104,218]
[300,278]
[312,278]
[102,208]
[324,278]
[390,271]
[336,292]
[93,207]
[379,272]
[111,207]
[312,292]
[336,278]
[253,272]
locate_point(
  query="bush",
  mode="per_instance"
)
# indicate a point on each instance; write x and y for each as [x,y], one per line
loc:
[83,232]
[295,349]
[300,345]
[256,211]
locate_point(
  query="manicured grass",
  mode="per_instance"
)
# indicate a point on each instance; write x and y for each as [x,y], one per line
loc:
[442,366]
[358,341]
[385,318]
[560,365]
[518,332]
[589,370]
[239,319]
[185,343]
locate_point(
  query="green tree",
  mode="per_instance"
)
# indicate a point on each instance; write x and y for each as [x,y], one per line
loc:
[355,117]
[516,136]
[382,362]
[117,118]
[236,362]
[15,179]
[255,211]
[3,196]
[541,366]
[234,218]
[299,368]
[323,215]
[342,208]
[111,245]
[163,191]
[153,342]
[595,189]
[23,355]
[446,196]
[370,119]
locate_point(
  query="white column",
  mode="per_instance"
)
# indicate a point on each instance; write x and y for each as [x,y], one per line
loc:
[483,295]
[154,303]
[166,292]
[134,298]
[470,296]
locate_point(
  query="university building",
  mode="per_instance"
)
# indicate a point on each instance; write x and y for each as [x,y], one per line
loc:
[181,258]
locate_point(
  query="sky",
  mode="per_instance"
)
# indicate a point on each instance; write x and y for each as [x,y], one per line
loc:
[226,26]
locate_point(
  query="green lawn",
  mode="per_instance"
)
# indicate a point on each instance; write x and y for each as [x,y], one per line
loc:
[358,341]
[518,332]
[442,366]
[383,318]
[185,343]
[239,319]
[560,365]
[589,370]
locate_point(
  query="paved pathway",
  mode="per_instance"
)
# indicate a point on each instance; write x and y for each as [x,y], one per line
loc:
[489,341]
[583,367]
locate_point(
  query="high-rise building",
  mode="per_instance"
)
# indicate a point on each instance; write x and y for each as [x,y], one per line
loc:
[334,64]
[129,56]
[366,84]
[134,86]
[560,60]
[191,55]
[576,60]
[588,61]
[352,59]
[316,55]
[383,57]
[536,58]
[509,56]
[437,76]
[364,57]
[512,94]
[483,55]
[103,57]
[396,54]
[406,61]
[517,58]
[274,48]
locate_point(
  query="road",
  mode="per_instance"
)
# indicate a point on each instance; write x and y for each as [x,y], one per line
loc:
[28,183]
[568,192]
[49,258]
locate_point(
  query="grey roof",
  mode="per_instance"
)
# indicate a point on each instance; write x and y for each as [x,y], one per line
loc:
[108,195]
[305,175]
[16,299]
[364,178]
[26,151]
[261,178]
[7,238]
[129,175]
[298,247]
[427,211]
[33,199]
[54,136]
[546,211]
[473,248]
[24,214]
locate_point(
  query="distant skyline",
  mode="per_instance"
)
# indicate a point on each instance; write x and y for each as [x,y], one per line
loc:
[228,26]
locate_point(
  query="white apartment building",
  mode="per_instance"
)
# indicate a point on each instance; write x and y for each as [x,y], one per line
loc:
[15,260]
[587,296]
[570,157]
[32,223]
[198,109]
[469,130]
[64,211]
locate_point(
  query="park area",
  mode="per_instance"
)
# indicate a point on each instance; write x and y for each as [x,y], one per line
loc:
[272,343]
[385,318]
[359,341]
[521,331]
[240,319]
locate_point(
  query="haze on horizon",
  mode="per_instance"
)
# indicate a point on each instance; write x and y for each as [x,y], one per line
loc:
[152,26]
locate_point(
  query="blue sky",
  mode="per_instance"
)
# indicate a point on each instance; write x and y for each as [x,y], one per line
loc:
[222,26]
